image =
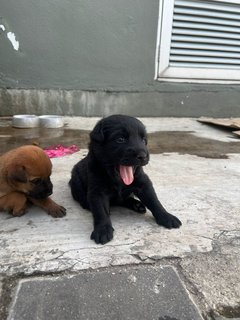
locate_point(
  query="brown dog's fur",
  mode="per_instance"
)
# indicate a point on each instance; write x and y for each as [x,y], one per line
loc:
[25,177]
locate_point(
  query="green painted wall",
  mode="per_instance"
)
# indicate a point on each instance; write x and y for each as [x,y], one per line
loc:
[79,44]
[78,48]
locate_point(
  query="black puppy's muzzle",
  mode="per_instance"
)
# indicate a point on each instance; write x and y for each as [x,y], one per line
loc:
[142,157]
[135,157]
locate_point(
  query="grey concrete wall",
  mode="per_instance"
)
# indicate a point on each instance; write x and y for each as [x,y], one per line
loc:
[80,56]
[180,103]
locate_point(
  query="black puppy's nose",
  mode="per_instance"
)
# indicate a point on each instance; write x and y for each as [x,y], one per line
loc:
[141,156]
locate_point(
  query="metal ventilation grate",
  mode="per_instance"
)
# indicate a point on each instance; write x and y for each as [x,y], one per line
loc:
[205,34]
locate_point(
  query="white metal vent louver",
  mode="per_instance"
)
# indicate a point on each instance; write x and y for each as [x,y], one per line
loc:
[199,39]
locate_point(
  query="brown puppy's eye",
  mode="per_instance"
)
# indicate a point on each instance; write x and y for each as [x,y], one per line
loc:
[121,140]
[36,181]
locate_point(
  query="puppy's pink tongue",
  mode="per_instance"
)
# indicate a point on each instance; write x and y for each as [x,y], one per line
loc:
[126,174]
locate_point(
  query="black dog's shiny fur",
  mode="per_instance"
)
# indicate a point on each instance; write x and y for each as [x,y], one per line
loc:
[96,183]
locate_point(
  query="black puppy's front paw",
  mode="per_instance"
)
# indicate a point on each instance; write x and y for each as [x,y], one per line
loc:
[168,221]
[102,234]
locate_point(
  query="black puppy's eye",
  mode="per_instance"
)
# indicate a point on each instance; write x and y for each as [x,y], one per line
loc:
[145,141]
[121,140]
[36,181]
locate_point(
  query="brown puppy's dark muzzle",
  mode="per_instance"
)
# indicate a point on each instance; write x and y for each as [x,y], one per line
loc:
[42,190]
[39,195]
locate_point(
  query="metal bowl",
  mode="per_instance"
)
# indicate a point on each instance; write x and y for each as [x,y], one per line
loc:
[25,121]
[51,121]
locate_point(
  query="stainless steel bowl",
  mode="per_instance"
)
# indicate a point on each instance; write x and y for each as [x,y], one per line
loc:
[51,121]
[25,121]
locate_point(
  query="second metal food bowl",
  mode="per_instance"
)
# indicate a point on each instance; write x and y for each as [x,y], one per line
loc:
[51,121]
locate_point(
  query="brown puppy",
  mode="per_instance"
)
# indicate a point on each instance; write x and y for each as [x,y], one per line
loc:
[25,176]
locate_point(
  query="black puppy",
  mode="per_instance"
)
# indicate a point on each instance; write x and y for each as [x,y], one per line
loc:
[112,173]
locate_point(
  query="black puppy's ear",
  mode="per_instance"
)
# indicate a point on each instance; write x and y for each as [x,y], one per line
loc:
[17,174]
[97,133]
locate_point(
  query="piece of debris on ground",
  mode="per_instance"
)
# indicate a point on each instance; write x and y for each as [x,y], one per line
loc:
[233,123]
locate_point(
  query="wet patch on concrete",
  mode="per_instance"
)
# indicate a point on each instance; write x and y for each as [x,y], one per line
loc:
[12,137]
[182,142]
[185,142]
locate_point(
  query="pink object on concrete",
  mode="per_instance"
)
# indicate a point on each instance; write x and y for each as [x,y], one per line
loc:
[60,151]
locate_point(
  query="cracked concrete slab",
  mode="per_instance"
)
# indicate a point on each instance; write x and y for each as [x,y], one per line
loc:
[201,191]
[133,293]
[188,186]
[216,275]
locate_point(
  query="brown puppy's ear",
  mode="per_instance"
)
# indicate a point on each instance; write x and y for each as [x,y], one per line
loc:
[17,174]
[97,133]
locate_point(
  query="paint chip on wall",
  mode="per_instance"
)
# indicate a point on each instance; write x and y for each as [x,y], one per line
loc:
[12,39]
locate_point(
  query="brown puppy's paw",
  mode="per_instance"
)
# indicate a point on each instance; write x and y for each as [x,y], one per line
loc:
[15,203]
[57,211]
[18,212]
[50,207]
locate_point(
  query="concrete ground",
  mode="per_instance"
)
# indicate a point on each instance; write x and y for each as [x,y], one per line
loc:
[201,260]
